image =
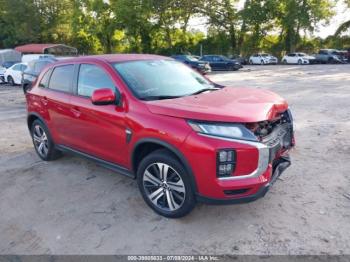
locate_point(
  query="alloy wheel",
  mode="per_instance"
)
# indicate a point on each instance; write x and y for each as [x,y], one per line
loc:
[40,140]
[164,186]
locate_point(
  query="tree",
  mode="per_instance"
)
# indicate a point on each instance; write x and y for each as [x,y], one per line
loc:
[344,26]
[297,15]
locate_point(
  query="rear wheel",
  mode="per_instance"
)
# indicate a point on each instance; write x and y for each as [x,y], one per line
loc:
[165,185]
[284,62]
[262,62]
[300,62]
[43,142]
[10,80]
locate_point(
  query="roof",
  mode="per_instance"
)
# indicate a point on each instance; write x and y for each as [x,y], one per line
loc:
[113,58]
[7,50]
[38,48]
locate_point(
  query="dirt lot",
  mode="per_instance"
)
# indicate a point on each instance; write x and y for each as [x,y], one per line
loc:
[72,206]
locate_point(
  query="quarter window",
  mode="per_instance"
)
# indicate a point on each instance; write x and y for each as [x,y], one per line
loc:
[92,77]
[45,79]
[61,78]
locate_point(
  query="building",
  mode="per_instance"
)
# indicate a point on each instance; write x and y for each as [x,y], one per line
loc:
[54,49]
[9,55]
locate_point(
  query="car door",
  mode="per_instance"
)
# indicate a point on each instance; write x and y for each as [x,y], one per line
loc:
[15,73]
[55,92]
[209,59]
[56,99]
[257,59]
[98,130]
[217,62]
[294,58]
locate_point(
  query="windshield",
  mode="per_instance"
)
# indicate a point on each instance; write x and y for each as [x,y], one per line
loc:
[302,54]
[265,55]
[159,79]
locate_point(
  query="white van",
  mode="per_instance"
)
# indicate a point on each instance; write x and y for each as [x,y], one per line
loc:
[31,57]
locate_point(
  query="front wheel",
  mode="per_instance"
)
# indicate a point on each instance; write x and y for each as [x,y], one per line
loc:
[300,62]
[165,185]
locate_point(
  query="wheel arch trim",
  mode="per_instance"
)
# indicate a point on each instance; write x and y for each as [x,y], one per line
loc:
[172,149]
[31,114]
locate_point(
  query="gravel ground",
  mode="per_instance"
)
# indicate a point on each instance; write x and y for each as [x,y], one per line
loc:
[73,206]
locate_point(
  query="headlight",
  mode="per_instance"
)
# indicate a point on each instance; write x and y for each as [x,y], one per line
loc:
[235,131]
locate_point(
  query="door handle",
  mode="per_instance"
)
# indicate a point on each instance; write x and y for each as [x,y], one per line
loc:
[76,112]
[44,100]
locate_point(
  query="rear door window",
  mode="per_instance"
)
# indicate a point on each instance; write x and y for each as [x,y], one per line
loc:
[17,67]
[61,78]
[92,77]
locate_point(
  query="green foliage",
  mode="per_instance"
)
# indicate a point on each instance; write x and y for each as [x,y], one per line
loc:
[162,26]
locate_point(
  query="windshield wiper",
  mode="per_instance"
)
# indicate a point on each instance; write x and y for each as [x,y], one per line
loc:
[204,90]
[150,98]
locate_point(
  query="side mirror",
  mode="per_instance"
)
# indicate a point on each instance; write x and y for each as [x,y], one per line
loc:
[104,96]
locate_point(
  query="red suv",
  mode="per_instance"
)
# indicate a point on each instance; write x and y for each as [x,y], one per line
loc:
[184,138]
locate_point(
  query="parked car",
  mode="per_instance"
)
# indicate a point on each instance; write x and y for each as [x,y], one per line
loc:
[31,57]
[156,120]
[347,54]
[3,68]
[330,56]
[242,60]
[200,66]
[2,76]
[263,59]
[13,74]
[33,70]
[220,62]
[343,56]
[298,58]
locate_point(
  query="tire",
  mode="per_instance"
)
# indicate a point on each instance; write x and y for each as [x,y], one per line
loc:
[172,197]
[42,141]
[300,62]
[232,68]
[10,81]
[284,62]
[251,62]
[262,62]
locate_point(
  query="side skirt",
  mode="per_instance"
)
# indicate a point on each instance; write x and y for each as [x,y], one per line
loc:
[119,169]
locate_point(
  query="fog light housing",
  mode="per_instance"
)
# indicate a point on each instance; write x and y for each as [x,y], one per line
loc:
[225,162]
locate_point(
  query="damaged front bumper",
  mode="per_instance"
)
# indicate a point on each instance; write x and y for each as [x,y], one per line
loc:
[273,161]
[278,167]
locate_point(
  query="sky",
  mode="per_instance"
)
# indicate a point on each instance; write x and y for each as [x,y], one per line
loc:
[342,15]
[323,30]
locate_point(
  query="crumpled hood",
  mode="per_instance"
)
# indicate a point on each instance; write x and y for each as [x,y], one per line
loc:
[240,105]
